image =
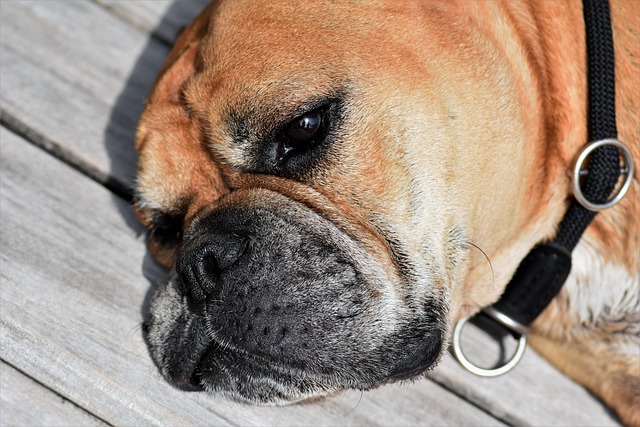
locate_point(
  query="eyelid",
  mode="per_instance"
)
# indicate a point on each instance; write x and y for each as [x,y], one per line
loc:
[305,109]
[321,112]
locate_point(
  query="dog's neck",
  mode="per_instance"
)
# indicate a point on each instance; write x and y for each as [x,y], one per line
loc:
[564,98]
[550,49]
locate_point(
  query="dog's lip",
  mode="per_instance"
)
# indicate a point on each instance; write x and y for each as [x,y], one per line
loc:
[192,376]
[215,352]
[218,365]
[188,377]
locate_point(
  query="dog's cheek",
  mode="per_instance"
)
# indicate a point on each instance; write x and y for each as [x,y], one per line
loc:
[166,307]
[165,232]
[165,256]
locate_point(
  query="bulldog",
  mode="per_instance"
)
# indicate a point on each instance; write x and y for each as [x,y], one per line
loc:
[324,179]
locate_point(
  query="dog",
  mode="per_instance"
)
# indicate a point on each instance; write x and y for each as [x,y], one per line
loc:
[323,179]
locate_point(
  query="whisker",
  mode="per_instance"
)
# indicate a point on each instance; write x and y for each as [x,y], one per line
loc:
[134,331]
[493,276]
[357,404]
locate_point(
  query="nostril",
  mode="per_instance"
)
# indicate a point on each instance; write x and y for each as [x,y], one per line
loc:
[210,265]
[188,277]
[200,267]
[229,249]
[220,254]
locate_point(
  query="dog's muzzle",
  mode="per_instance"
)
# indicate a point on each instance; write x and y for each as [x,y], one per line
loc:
[273,304]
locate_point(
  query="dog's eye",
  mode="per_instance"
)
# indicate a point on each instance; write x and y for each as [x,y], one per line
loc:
[303,132]
[293,147]
[166,229]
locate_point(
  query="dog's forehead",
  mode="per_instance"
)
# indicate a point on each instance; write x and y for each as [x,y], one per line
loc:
[266,59]
[267,54]
[303,27]
[265,47]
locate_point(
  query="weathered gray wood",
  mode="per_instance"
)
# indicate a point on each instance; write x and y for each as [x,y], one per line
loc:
[162,18]
[24,402]
[71,296]
[76,76]
[533,393]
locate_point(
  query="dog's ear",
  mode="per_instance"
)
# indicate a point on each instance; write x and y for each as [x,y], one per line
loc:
[176,174]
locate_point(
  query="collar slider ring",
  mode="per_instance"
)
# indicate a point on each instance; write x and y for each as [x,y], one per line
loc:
[578,171]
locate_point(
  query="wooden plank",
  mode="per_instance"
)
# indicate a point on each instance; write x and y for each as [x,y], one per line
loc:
[24,402]
[533,393]
[162,18]
[75,77]
[71,296]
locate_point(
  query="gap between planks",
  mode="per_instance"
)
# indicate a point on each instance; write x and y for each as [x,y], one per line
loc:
[25,390]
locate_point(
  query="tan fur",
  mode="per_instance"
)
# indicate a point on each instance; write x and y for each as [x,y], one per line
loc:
[451,100]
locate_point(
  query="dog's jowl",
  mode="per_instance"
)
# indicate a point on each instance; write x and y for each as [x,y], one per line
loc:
[319,180]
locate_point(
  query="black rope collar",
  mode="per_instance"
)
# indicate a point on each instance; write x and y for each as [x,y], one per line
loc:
[544,270]
[542,273]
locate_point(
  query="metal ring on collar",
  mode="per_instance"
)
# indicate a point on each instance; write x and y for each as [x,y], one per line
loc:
[483,372]
[626,170]
[505,320]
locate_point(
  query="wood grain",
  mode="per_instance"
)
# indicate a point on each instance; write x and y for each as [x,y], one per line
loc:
[162,18]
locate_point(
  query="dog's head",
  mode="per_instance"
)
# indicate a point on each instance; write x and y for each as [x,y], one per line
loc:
[316,176]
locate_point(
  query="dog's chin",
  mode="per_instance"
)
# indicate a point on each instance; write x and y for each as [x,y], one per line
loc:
[252,379]
[194,357]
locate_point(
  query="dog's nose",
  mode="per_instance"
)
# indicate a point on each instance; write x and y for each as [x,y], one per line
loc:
[200,265]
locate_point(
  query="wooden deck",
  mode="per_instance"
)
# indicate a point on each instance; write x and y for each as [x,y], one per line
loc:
[75,272]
